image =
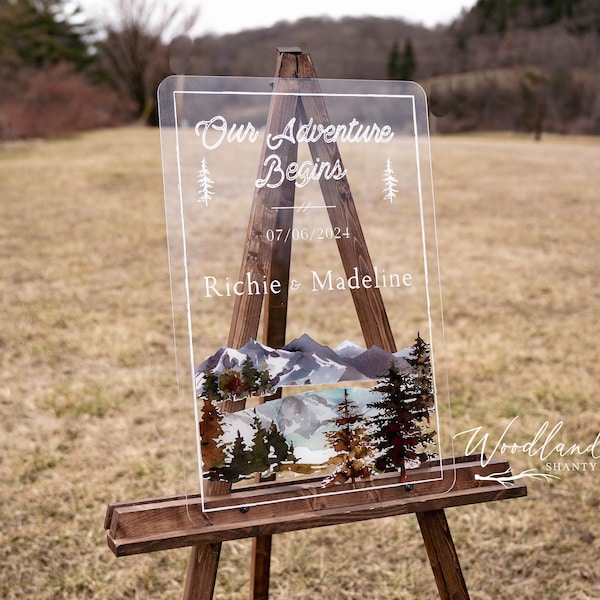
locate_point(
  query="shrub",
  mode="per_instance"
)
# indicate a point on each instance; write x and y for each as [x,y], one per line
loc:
[56,100]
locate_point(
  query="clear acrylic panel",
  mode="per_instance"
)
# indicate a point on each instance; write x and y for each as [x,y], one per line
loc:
[306,289]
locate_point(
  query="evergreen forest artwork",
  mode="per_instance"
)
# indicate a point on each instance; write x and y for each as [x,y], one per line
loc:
[377,418]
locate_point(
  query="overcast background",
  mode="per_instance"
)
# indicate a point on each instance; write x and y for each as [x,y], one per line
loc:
[223,16]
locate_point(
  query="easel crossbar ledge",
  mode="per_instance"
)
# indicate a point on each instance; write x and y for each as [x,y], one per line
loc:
[160,524]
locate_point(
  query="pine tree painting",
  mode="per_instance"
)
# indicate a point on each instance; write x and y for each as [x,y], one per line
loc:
[351,441]
[251,376]
[389,181]
[232,385]
[280,452]
[236,383]
[241,460]
[403,413]
[205,183]
[267,452]
[422,381]
[210,386]
[211,431]
[259,453]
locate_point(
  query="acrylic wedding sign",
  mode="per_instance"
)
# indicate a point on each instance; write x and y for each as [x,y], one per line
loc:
[308,206]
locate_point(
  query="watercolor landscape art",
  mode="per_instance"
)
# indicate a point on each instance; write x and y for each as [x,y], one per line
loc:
[345,433]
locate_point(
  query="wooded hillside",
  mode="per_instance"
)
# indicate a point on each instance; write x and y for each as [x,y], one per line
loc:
[525,65]
[520,65]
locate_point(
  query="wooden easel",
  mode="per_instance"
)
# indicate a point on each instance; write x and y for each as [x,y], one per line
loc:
[164,523]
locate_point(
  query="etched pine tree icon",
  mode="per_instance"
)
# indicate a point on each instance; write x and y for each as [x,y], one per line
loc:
[205,183]
[389,181]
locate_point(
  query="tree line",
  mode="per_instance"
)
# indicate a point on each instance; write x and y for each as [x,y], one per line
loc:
[522,65]
[61,72]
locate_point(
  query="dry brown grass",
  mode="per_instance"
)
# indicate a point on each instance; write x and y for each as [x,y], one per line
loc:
[87,384]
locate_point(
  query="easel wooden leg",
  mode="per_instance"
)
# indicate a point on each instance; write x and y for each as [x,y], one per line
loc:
[202,572]
[442,555]
[261,567]
[204,562]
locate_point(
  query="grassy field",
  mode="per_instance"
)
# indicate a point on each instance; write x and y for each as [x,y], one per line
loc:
[87,396]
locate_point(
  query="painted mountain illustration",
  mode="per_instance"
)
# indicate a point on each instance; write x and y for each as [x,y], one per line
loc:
[303,361]
[347,432]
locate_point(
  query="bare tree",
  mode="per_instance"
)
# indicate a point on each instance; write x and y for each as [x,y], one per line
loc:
[134,54]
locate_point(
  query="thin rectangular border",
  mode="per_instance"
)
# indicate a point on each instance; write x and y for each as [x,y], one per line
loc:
[182,93]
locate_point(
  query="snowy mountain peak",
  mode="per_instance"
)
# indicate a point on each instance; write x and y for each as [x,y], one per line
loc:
[305,343]
[303,361]
[348,349]
[253,349]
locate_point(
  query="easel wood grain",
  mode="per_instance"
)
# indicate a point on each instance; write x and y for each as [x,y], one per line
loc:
[177,521]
